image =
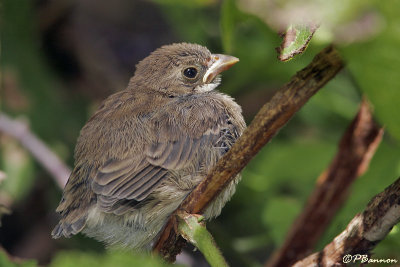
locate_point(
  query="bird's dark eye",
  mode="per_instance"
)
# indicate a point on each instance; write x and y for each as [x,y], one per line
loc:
[190,73]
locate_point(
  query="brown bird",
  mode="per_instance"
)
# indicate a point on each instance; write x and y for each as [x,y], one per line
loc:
[147,147]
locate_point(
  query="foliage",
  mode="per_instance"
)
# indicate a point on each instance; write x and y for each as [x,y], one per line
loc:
[275,184]
[121,259]
[6,262]
[79,259]
[375,64]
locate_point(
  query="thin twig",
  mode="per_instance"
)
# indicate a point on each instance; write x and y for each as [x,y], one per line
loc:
[193,229]
[271,117]
[50,161]
[363,233]
[356,149]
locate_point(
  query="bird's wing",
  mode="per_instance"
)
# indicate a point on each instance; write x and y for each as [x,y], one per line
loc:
[123,183]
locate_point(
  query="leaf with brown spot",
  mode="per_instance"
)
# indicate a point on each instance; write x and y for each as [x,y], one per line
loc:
[295,40]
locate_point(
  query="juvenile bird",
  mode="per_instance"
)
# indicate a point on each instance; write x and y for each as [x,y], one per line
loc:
[148,146]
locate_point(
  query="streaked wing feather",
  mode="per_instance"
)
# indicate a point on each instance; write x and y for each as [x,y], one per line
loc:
[113,185]
[184,157]
[112,170]
[120,180]
[174,156]
[115,169]
[133,178]
[149,187]
[131,190]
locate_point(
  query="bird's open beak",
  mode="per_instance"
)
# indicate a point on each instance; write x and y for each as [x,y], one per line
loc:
[219,64]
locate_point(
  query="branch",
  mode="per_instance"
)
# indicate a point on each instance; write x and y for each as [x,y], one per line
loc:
[356,149]
[271,117]
[364,231]
[50,161]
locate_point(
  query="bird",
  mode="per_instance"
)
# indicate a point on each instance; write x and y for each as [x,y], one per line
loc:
[148,146]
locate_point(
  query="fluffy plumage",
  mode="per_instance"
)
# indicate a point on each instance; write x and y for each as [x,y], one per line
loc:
[148,146]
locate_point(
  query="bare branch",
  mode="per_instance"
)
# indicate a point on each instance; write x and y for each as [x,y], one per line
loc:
[271,117]
[50,161]
[356,148]
[364,231]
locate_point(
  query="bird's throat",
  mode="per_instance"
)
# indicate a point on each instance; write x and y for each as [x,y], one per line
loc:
[208,86]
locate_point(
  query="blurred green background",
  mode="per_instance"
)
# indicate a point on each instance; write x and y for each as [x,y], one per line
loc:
[60,59]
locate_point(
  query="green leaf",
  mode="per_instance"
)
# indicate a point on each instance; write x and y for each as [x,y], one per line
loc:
[279,214]
[375,66]
[227,22]
[35,79]
[18,167]
[295,40]
[191,4]
[287,165]
[110,259]
[6,262]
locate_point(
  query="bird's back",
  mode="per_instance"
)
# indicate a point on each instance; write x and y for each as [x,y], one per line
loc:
[142,149]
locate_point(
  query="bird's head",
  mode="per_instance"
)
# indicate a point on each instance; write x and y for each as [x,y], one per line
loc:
[183,68]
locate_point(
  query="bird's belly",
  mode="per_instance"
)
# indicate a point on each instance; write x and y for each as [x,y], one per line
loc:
[139,228]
